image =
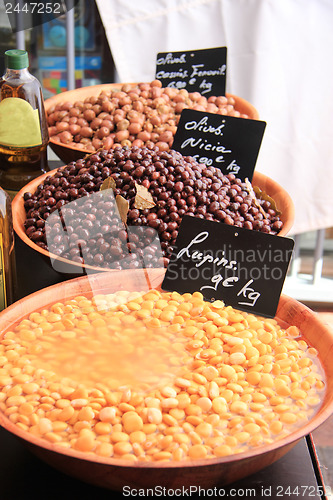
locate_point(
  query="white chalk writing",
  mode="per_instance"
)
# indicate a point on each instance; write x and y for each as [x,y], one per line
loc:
[203,126]
[170,59]
[208,72]
[200,258]
[171,74]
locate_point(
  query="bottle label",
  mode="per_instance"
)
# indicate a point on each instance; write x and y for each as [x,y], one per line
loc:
[19,123]
[3,298]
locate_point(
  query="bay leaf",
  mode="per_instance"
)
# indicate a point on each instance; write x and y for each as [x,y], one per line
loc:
[254,197]
[123,207]
[88,155]
[264,196]
[143,198]
[108,183]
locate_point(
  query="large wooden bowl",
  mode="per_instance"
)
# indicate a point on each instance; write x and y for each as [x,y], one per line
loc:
[69,153]
[114,473]
[281,197]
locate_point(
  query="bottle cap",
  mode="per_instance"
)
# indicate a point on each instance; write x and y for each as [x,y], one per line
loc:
[16,59]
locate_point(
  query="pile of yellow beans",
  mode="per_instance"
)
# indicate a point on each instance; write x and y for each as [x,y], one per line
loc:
[156,376]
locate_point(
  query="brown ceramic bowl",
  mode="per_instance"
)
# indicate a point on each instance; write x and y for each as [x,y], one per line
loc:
[113,473]
[70,153]
[266,184]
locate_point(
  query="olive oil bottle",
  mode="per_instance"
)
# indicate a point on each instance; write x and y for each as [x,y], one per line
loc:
[23,126]
[7,256]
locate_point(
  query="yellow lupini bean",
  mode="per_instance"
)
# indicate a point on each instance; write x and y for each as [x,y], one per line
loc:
[107,414]
[237,358]
[228,372]
[252,428]
[276,426]
[193,410]
[86,413]
[288,418]
[168,392]
[169,403]
[266,380]
[178,413]
[213,390]
[85,443]
[197,451]
[219,405]
[117,436]
[30,388]
[194,379]
[104,449]
[132,422]
[154,415]
[298,394]
[222,451]
[137,437]
[253,377]
[200,379]
[204,429]
[5,380]
[103,428]
[67,413]
[313,400]
[239,407]
[26,409]
[282,388]
[149,428]
[242,437]
[122,448]
[204,403]
[44,425]
[15,401]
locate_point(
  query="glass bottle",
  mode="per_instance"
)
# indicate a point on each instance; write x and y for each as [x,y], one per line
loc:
[7,253]
[23,127]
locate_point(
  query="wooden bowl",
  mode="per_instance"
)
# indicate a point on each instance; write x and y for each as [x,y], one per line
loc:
[70,153]
[266,184]
[114,473]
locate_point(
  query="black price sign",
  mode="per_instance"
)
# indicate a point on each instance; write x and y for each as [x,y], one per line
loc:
[227,142]
[201,71]
[244,268]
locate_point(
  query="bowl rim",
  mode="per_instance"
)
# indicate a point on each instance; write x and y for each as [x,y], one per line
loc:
[18,201]
[9,316]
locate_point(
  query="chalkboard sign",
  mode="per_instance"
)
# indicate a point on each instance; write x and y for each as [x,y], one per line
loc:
[229,143]
[244,268]
[201,71]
